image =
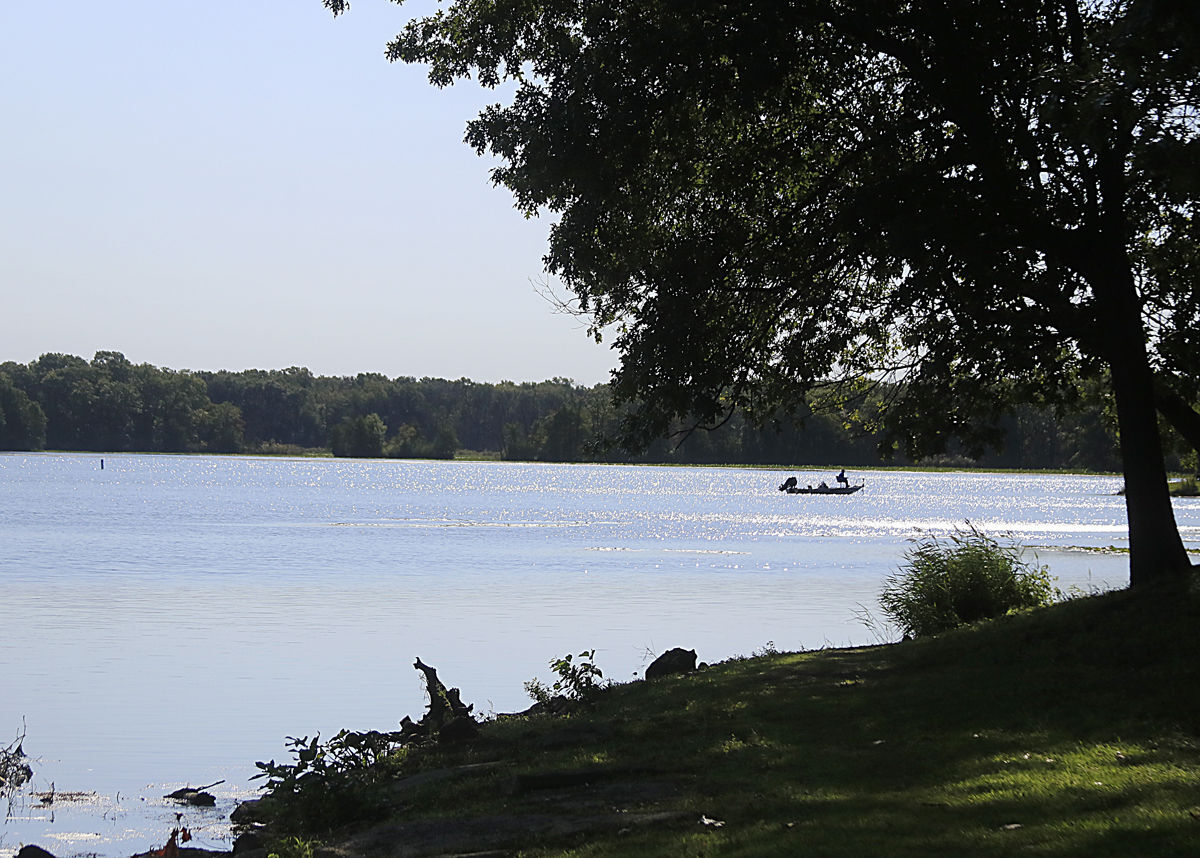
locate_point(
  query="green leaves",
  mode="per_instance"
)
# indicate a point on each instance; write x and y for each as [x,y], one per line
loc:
[766,197]
[966,578]
[577,680]
[330,782]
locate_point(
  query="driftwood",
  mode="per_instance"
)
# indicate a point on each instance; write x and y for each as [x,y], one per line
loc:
[448,718]
[196,796]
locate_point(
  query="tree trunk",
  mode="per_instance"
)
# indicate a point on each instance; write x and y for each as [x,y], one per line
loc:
[1156,552]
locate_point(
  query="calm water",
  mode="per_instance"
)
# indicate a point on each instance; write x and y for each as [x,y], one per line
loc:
[168,620]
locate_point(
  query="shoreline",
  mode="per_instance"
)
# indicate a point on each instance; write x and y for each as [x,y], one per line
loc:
[487,459]
[787,753]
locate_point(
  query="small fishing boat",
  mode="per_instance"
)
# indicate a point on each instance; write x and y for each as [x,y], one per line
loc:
[818,490]
[792,487]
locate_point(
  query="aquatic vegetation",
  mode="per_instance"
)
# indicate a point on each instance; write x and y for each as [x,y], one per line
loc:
[15,771]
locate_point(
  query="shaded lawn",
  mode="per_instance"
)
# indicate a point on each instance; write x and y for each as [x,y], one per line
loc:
[1066,731]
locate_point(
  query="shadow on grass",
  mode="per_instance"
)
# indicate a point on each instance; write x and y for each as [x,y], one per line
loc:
[1068,731]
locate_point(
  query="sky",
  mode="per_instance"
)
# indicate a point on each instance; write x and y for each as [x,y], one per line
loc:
[236,184]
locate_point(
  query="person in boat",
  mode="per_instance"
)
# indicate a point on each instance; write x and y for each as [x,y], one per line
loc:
[788,484]
[824,485]
[841,478]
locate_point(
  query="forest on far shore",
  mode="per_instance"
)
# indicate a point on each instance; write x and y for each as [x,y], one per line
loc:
[108,404]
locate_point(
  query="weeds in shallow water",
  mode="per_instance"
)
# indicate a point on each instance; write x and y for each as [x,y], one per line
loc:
[15,772]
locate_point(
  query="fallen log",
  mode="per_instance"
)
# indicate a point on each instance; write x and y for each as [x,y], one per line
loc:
[195,795]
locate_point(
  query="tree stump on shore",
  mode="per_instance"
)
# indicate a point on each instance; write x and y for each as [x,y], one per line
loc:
[448,718]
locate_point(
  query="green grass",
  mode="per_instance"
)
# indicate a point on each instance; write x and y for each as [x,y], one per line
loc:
[941,469]
[1185,488]
[1066,731]
[478,456]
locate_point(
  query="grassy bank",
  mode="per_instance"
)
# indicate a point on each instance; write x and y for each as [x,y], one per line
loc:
[1185,488]
[1072,730]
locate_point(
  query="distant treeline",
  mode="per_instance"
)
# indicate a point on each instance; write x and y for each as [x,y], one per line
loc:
[62,402]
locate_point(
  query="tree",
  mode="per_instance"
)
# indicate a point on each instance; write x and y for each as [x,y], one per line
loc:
[564,435]
[61,386]
[22,423]
[116,403]
[517,445]
[359,437]
[406,443]
[980,203]
[276,405]
[221,429]
[445,443]
[173,403]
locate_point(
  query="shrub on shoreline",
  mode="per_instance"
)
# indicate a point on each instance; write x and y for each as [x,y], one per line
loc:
[965,578]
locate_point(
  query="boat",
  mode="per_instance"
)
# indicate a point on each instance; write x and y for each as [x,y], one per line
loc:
[818,490]
[792,487]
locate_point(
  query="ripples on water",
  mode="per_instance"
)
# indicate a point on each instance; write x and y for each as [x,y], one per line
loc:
[170,619]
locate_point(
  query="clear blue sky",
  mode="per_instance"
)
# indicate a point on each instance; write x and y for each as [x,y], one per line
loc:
[227,184]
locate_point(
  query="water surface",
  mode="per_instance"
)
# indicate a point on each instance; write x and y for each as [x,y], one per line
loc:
[167,620]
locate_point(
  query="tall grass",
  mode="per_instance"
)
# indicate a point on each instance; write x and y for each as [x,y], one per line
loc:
[967,577]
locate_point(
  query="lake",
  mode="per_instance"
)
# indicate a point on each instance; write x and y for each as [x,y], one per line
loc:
[168,620]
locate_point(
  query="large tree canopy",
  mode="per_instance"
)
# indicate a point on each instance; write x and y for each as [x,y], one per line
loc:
[982,201]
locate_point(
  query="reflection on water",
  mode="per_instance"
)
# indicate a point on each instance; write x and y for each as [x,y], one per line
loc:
[168,620]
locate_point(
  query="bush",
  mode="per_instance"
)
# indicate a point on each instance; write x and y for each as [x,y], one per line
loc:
[967,578]
[359,437]
[331,783]
[577,680]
